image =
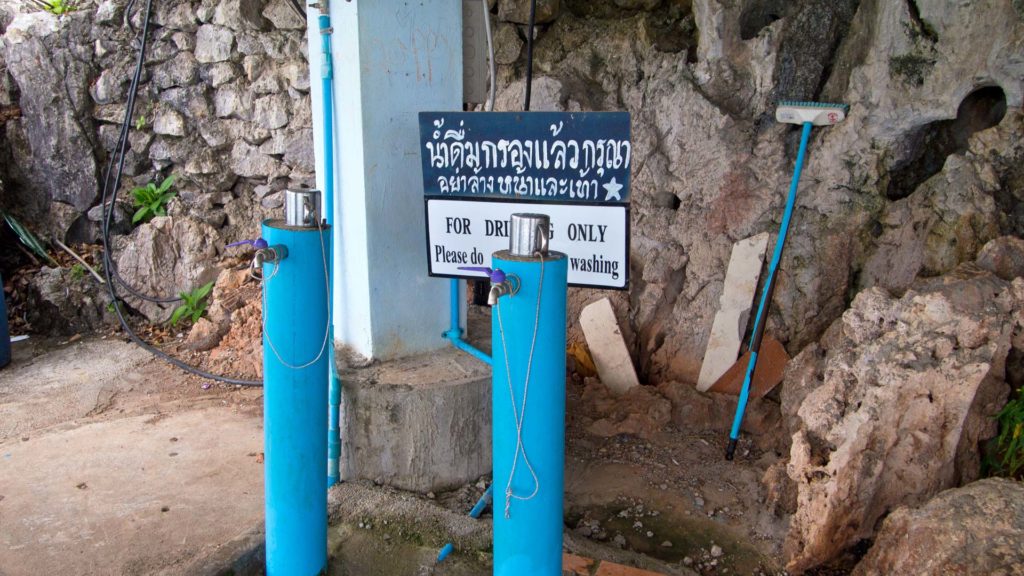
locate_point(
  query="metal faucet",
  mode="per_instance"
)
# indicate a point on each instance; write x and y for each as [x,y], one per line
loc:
[501,283]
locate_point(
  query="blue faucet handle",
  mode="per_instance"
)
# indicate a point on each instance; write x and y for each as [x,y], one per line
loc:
[258,243]
[496,275]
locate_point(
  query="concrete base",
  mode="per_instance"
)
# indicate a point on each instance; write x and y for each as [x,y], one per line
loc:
[421,423]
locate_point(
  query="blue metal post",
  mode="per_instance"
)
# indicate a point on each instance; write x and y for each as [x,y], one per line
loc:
[295,400]
[528,531]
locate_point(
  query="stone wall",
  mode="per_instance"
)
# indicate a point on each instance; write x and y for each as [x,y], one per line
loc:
[223,105]
[924,171]
[919,176]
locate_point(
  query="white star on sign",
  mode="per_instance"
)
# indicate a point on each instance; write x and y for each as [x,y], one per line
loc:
[612,188]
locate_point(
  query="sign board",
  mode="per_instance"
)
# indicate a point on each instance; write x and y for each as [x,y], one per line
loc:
[481,167]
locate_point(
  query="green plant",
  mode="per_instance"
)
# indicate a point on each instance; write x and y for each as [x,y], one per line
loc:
[1010,442]
[193,304]
[140,122]
[27,238]
[77,272]
[151,200]
[56,7]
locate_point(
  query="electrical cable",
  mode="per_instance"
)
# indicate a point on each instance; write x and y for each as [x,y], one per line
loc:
[110,192]
[529,54]
[489,105]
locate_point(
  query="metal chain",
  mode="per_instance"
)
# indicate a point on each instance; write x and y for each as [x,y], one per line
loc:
[520,415]
[327,327]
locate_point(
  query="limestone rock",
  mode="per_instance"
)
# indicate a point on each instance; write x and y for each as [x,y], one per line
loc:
[977,530]
[271,111]
[507,44]
[248,162]
[240,14]
[943,224]
[181,70]
[204,335]
[169,122]
[62,303]
[213,43]
[60,164]
[1003,257]
[518,11]
[893,411]
[282,16]
[165,256]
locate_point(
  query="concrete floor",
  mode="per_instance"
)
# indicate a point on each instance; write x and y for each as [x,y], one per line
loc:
[114,463]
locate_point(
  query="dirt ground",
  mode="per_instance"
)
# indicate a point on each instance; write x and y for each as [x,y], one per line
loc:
[112,462]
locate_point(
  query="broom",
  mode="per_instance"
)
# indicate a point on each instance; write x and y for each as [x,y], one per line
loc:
[807,114]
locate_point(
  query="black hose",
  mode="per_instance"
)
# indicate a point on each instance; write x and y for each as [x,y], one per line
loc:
[529,53]
[110,192]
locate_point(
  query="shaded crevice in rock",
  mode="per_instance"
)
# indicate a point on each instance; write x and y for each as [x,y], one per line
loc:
[811,39]
[921,27]
[652,336]
[925,150]
[759,14]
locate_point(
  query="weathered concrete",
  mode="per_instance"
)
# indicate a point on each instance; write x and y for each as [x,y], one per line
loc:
[421,423]
[120,496]
[113,463]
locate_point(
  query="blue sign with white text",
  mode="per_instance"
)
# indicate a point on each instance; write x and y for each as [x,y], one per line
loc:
[564,157]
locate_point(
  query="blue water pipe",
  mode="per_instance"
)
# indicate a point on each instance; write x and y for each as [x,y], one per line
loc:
[477,510]
[296,325]
[454,335]
[327,88]
[766,294]
[529,339]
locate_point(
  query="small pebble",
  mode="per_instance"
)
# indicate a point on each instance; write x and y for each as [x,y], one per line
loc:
[619,540]
[431,495]
[716,551]
[650,534]
[638,524]
[666,544]
[687,561]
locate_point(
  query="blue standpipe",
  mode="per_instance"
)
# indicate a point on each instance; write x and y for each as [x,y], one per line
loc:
[5,334]
[327,88]
[454,334]
[766,295]
[528,418]
[295,399]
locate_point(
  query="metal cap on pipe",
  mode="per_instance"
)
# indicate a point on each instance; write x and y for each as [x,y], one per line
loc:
[302,208]
[529,234]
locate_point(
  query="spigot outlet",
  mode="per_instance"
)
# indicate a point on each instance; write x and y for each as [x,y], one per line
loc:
[497,291]
[270,254]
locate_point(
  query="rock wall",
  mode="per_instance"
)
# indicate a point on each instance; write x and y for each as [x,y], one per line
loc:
[976,530]
[918,177]
[890,408]
[223,105]
[926,168]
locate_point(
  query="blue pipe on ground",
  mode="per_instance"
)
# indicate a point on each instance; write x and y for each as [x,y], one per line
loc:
[295,399]
[528,530]
[454,335]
